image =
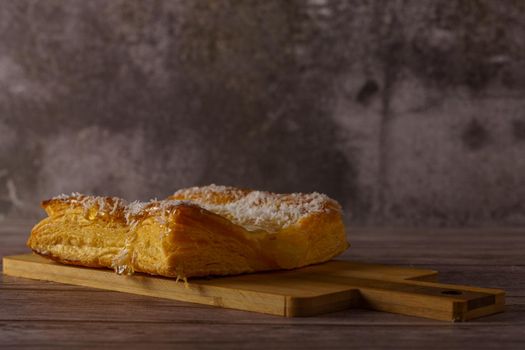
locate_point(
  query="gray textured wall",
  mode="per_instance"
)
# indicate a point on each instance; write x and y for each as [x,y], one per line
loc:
[408,112]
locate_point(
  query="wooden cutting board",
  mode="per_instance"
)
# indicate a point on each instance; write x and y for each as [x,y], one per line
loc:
[328,287]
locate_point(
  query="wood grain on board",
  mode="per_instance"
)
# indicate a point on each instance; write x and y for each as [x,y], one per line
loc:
[46,314]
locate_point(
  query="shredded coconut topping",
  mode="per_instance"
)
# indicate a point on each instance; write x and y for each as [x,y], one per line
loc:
[67,196]
[134,208]
[256,210]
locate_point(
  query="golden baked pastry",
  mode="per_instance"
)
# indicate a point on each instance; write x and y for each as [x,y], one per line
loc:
[199,231]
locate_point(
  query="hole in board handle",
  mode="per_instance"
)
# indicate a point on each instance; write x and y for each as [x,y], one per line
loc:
[451,292]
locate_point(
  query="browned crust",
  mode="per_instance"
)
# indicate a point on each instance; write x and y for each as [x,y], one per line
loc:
[315,238]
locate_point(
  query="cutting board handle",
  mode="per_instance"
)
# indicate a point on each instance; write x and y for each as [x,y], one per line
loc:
[420,298]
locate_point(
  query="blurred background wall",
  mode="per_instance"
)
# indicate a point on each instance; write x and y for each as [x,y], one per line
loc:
[408,112]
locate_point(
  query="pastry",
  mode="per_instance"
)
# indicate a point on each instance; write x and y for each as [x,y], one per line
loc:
[199,231]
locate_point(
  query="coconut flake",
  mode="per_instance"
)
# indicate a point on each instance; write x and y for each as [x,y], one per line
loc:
[256,210]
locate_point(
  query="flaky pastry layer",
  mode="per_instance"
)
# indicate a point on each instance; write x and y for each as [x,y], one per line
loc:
[199,231]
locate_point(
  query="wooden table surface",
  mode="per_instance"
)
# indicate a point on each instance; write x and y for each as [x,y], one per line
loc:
[45,314]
